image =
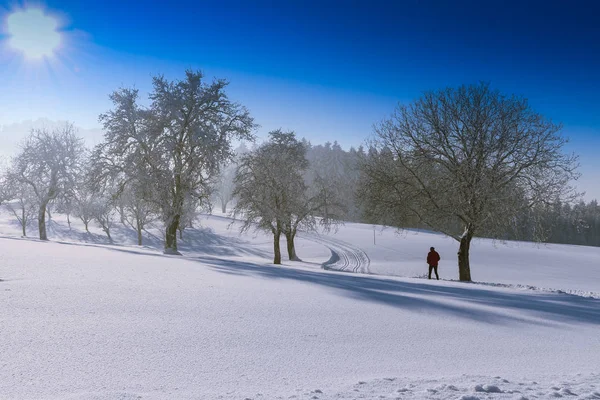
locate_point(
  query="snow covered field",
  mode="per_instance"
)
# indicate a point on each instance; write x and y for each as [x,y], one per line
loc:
[84,319]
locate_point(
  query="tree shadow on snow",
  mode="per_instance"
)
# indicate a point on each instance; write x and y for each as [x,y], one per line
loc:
[205,240]
[469,302]
[201,240]
[121,235]
[487,305]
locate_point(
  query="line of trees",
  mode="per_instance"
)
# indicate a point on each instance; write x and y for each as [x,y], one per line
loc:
[464,161]
[52,171]
[44,171]
[569,223]
[156,162]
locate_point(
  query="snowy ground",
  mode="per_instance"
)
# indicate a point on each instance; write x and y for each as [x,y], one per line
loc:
[81,318]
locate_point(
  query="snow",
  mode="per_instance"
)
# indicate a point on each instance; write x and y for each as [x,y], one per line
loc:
[83,319]
[574,269]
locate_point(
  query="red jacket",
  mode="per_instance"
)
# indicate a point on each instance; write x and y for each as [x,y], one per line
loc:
[433,258]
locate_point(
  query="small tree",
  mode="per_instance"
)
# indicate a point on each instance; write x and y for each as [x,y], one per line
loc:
[103,212]
[83,206]
[48,163]
[464,161]
[191,210]
[135,210]
[223,189]
[64,204]
[21,203]
[225,181]
[272,195]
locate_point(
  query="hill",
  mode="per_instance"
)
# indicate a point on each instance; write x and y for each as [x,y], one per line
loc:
[83,318]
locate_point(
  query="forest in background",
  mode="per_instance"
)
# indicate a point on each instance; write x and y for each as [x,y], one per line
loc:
[575,223]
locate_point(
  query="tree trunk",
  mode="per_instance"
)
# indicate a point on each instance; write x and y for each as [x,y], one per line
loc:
[42,221]
[107,231]
[223,206]
[181,233]
[173,226]
[291,247]
[171,237]
[69,221]
[24,222]
[138,226]
[276,247]
[49,214]
[86,223]
[464,268]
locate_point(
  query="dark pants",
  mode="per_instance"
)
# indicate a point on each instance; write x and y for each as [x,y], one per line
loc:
[434,268]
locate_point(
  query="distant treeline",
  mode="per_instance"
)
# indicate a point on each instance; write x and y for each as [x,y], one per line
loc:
[562,223]
[565,223]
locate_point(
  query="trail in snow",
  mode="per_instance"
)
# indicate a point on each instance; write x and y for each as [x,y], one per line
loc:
[344,256]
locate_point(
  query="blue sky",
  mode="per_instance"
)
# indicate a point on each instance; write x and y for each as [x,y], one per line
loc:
[328,70]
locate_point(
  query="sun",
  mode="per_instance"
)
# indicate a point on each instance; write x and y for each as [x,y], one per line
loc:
[33,33]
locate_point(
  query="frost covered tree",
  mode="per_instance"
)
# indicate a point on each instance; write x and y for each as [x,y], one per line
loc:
[175,146]
[64,205]
[48,163]
[135,210]
[225,185]
[83,207]
[103,212]
[464,161]
[272,195]
[21,202]
[192,207]
[223,189]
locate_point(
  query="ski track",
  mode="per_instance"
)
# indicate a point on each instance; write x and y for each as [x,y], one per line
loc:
[344,256]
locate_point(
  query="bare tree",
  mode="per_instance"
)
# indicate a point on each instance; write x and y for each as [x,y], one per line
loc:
[103,211]
[64,205]
[225,181]
[464,161]
[223,189]
[175,146]
[21,202]
[48,163]
[83,208]
[272,195]
[192,207]
[135,210]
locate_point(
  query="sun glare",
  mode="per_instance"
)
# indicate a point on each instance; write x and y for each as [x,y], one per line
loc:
[33,33]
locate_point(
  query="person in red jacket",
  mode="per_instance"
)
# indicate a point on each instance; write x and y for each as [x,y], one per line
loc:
[433,258]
